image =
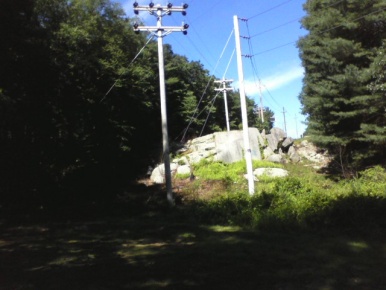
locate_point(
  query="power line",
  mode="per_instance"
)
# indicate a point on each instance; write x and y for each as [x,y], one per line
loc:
[276,27]
[116,81]
[270,9]
[207,10]
[209,111]
[229,62]
[183,132]
[207,51]
[206,88]
[281,4]
[254,68]
[319,32]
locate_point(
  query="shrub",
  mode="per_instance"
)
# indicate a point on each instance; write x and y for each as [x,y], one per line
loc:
[371,182]
[292,202]
[233,172]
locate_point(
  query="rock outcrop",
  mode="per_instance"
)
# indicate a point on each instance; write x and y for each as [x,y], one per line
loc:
[228,147]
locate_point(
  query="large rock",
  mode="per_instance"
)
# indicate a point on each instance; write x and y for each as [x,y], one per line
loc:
[158,174]
[268,152]
[293,155]
[183,169]
[275,138]
[312,153]
[276,158]
[230,145]
[287,143]
[271,172]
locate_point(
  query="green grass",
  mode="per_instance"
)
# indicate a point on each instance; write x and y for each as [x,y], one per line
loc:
[306,231]
[172,251]
[233,172]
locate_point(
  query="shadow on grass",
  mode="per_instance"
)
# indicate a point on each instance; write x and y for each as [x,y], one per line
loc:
[164,253]
[167,249]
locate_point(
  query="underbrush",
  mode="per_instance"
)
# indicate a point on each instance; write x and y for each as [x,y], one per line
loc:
[298,202]
[233,172]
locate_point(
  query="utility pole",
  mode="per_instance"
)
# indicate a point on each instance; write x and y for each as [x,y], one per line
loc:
[244,115]
[224,89]
[160,32]
[261,103]
[285,123]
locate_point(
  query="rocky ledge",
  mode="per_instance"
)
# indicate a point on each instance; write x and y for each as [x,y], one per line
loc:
[228,147]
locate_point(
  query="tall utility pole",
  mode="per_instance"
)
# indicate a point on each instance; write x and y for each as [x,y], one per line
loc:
[285,123]
[261,103]
[244,115]
[161,31]
[224,89]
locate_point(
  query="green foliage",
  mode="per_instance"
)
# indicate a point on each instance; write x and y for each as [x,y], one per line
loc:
[232,172]
[295,202]
[264,164]
[61,131]
[231,208]
[371,183]
[343,56]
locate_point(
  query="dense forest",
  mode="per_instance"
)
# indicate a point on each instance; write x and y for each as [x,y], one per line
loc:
[344,56]
[79,95]
[78,115]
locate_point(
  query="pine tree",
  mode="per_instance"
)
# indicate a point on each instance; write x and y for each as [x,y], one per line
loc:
[338,55]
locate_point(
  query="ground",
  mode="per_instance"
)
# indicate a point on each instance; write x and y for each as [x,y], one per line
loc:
[161,248]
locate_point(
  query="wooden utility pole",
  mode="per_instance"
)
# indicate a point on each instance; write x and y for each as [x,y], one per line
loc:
[160,32]
[225,89]
[244,115]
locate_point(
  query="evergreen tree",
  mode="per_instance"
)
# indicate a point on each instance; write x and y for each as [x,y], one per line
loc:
[338,55]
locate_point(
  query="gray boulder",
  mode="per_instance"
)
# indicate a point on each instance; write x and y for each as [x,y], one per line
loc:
[276,158]
[183,169]
[230,145]
[287,143]
[275,137]
[268,152]
[158,174]
[271,172]
[293,155]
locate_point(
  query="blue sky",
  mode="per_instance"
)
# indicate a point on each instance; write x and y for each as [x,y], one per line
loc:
[273,27]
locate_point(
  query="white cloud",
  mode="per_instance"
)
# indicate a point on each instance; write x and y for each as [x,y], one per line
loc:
[274,81]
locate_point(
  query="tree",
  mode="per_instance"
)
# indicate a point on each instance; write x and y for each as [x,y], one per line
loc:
[267,125]
[338,54]
[58,60]
[253,112]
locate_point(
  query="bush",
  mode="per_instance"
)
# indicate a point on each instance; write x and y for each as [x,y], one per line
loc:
[295,202]
[371,182]
[233,172]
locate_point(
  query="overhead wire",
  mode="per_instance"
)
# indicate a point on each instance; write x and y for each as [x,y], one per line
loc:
[270,9]
[209,111]
[132,61]
[276,27]
[229,62]
[320,32]
[254,67]
[206,88]
[251,55]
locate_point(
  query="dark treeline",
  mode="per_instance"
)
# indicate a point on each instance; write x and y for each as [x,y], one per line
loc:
[61,137]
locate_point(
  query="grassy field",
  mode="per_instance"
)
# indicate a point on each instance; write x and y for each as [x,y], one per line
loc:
[167,252]
[140,243]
